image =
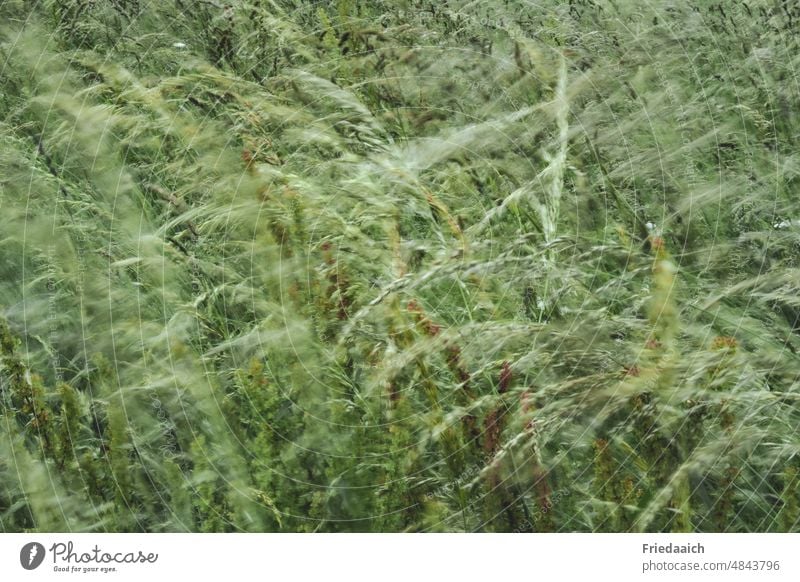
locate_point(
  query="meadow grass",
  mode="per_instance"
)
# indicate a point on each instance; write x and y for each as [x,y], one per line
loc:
[399,266]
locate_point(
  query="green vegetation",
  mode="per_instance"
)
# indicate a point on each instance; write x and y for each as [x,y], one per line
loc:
[386,265]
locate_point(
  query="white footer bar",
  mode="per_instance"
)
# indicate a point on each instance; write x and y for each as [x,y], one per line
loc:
[400,557]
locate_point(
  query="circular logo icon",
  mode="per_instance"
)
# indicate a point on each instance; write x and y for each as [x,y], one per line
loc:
[31,555]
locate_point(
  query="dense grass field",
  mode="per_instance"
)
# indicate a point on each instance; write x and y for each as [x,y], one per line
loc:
[387,265]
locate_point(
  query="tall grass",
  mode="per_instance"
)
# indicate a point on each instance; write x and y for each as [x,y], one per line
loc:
[399,266]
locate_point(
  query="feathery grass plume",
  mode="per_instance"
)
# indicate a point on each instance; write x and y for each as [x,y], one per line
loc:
[394,266]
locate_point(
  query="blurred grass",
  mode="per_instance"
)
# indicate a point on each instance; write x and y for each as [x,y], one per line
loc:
[398,266]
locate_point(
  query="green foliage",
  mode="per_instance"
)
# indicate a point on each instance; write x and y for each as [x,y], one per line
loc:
[399,266]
